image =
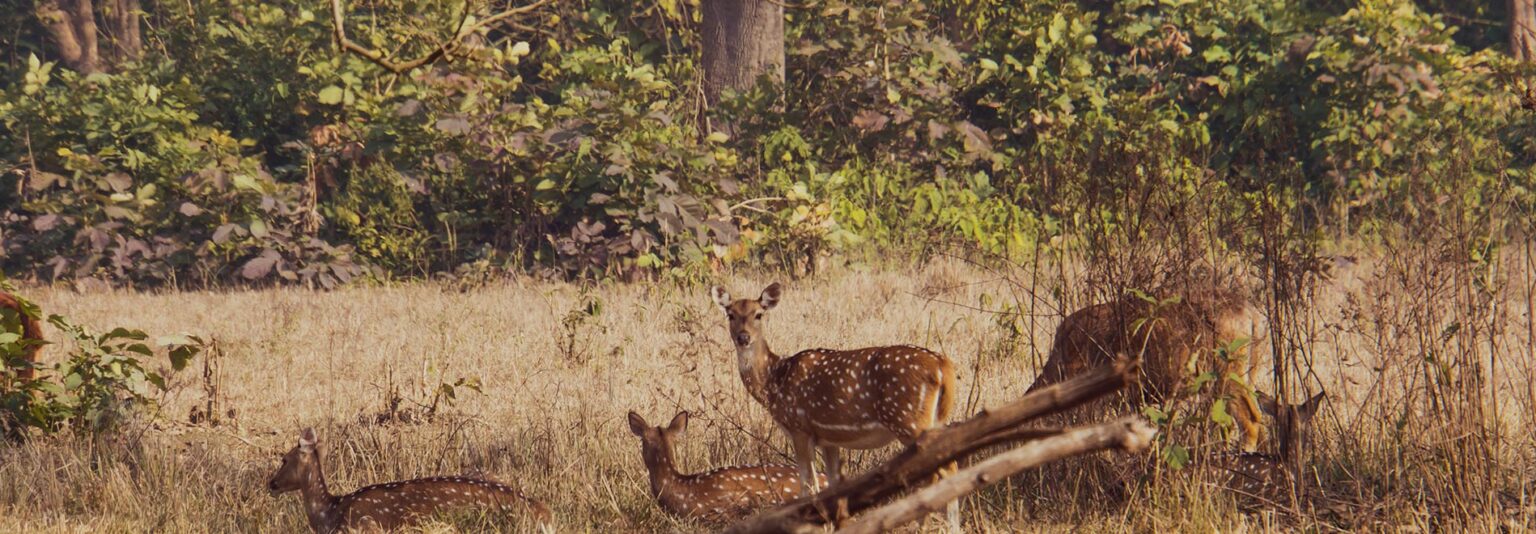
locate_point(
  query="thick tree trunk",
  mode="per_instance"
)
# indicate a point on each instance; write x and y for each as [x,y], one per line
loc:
[123,30]
[742,40]
[1522,29]
[71,24]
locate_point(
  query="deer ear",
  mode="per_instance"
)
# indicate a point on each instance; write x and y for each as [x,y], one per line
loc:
[679,423]
[637,424]
[1310,407]
[307,439]
[721,296]
[770,296]
[1267,404]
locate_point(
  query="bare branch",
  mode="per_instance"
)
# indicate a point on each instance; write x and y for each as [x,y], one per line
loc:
[938,448]
[1130,434]
[338,22]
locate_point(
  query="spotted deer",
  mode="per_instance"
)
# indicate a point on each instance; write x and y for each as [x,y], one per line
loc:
[385,507]
[1171,337]
[1259,479]
[717,494]
[839,399]
[28,327]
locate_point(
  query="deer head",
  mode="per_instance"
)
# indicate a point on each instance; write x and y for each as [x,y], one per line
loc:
[746,316]
[656,442]
[298,465]
[1293,423]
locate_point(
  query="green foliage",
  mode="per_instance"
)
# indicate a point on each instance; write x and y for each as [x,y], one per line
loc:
[104,380]
[246,144]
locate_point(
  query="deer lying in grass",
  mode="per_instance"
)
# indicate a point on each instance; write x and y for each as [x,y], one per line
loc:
[839,399]
[392,505]
[1208,329]
[1268,479]
[722,493]
[30,330]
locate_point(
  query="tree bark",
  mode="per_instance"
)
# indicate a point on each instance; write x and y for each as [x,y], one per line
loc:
[72,26]
[1522,30]
[76,49]
[1128,433]
[742,40]
[124,31]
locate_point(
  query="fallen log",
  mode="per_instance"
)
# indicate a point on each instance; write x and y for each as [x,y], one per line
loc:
[938,448]
[1130,434]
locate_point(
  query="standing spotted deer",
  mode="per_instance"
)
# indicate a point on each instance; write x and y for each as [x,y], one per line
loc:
[717,494]
[1171,337]
[385,507]
[839,399]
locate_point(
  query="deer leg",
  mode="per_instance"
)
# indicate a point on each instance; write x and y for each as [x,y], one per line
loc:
[1246,411]
[832,456]
[805,459]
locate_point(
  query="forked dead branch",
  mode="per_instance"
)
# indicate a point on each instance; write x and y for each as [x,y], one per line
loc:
[940,447]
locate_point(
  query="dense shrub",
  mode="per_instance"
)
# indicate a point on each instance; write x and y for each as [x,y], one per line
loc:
[246,147]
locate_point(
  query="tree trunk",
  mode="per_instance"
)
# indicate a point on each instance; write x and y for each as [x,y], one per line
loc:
[1522,30]
[123,30]
[742,39]
[71,25]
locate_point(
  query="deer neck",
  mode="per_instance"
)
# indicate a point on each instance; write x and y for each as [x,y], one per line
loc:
[756,361]
[319,504]
[664,477]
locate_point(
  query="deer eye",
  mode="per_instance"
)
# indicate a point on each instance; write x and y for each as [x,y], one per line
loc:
[759,315]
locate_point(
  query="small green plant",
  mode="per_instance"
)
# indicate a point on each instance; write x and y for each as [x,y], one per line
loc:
[105,380]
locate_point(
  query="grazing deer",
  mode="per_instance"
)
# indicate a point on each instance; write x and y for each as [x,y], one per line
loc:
[839,399]
[30,330]
[387,506]
[1263,479]
[717,494]
[1170,337]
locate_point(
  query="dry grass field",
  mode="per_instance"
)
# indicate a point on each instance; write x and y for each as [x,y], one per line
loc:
[361,365]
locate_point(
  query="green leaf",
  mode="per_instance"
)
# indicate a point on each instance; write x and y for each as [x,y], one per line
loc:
[1216,54]
[1219,414]
[331,95]
[1176,455]
[183,354]
[258,228]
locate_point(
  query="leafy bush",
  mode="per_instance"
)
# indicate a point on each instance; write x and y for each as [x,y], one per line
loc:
[104,380]
[248,148]
[144,194]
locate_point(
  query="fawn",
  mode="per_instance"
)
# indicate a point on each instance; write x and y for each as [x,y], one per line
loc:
[387,506]
[1170,337]
[30,329]
[839,399]
[1270,479]
[716,494]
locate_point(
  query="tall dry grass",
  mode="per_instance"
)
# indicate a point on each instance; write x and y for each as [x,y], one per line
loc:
[557,382]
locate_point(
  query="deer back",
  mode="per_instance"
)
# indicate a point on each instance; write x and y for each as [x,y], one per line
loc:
[840,395]
[731,492]
[1166,336]
[397,504]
